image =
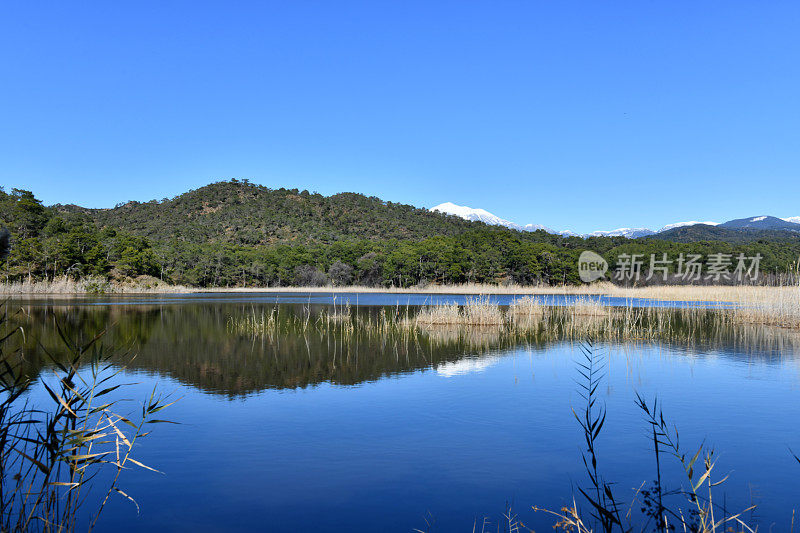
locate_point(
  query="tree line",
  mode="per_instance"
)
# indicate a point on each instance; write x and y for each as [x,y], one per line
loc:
[48,242]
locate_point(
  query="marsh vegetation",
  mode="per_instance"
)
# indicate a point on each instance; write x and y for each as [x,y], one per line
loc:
[524,319]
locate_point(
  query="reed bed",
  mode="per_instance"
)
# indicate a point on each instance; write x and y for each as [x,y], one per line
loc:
[778,304]
[527,306]
[481,324]
[482,313]
[781,309]
[476,312]
[743,294]
[90,285]
[447,314]
[589,307]
[738,294]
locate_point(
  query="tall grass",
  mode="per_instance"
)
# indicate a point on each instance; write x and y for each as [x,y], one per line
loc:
[604,507]
[64,285]
[781,309]
[52,455]
[476,312]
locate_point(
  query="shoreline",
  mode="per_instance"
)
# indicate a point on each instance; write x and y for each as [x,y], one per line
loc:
[719,293]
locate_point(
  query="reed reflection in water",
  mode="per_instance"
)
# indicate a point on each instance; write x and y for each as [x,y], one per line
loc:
[238,349]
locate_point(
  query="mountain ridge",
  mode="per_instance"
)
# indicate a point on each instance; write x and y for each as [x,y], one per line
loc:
[751,223]
[765,222]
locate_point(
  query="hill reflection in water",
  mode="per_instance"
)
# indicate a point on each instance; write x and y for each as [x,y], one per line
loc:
[193,343]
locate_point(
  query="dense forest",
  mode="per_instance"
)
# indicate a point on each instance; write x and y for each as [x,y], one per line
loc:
[235,233]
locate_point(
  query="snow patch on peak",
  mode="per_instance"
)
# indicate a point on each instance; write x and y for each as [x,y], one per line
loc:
[688,223]
[476,215]
[757,219]
[795,220]
[535,227]
[631,233]
[462,211]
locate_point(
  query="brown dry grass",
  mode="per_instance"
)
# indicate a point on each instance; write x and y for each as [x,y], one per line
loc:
[782,302]
[726,294]
[67,287]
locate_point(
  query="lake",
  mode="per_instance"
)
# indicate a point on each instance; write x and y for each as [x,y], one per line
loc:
[327,430]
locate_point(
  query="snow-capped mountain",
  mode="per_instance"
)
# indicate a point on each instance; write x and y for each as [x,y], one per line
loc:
[761,222]
[469,213]
[631,233]
[535,227]
[476,215]
[482,215]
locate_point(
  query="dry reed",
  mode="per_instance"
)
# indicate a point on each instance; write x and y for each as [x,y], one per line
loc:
[65,286]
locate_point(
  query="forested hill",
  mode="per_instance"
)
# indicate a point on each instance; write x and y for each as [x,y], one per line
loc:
[239,212]
[239,234]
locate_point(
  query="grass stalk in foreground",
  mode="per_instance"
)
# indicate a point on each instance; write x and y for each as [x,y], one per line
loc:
[695,506]
[696,510]
[53,455]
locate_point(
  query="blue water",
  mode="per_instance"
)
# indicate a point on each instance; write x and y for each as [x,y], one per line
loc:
[454,441]
[367,299]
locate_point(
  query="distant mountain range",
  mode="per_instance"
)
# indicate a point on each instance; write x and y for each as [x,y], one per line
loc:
[762,223]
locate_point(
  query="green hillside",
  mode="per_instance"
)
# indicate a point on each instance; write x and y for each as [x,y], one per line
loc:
[239,212]
[239,234]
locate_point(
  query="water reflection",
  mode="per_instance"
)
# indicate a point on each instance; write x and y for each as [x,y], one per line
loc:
[193,343]
[467,365]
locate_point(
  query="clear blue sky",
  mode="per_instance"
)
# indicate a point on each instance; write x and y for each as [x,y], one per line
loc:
[576,115]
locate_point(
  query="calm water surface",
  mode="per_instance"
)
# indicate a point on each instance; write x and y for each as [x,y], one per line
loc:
[313,432]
